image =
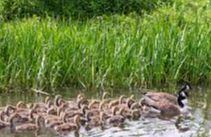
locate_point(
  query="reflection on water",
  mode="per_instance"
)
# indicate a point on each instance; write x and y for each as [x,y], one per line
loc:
[198,125]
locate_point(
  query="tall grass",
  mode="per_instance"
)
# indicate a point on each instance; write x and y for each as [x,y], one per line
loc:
[163,47]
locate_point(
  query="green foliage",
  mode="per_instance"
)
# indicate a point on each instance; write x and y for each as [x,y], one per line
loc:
[73,8]
[166,46]
[19,8]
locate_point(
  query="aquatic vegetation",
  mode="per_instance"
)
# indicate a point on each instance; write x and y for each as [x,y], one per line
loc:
[170,44]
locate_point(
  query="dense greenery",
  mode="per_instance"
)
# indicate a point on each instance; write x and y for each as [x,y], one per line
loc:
[170,44]
[11,9]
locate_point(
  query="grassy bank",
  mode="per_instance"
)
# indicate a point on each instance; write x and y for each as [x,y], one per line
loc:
[168,45]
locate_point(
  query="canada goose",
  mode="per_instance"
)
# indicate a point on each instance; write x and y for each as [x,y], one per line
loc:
[129,102]
[67,127]
[47,103]
[58,100]
[25,112]
[131,99]
[104,101]
[71,113]
[52,111]
[71,105]
[94,111]
[126,106]
[49,117]
[78,103]
[67,117]
[105,94]
[104,106]
[9,109]
[136,114]
[30,105]
[116,119]
[52,122]
[94,121]
[3,124]
[105,98]
[117,101]
[136,105]
[94,104]
[160,96]
[42,107]
[82,99]
[22,117]
[21,104]
[167,108]
[39,122]
[3,116]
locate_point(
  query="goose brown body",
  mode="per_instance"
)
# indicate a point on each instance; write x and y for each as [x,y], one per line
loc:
[67,127]
[163,96]
[116,119]
[165,107]
[158,96]
[27,126]
[95,121]
[4,124]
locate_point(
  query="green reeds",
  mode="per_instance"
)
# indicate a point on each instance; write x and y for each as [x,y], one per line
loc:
[163,47]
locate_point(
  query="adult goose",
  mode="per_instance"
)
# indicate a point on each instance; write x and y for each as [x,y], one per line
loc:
[161,96]
[166,107]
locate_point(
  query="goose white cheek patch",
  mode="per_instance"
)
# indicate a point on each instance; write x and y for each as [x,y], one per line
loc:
[187,87]
[183,94]
[185,102]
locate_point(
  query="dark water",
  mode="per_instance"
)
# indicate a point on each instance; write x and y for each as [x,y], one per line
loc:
[198,125]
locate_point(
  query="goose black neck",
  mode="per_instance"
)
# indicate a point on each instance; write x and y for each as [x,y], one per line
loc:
[179,100]
[184,90]
[180,103]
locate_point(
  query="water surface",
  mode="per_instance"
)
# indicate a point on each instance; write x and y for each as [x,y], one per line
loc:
[198,125]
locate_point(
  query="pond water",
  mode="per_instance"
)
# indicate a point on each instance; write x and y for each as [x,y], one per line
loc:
[198,125]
